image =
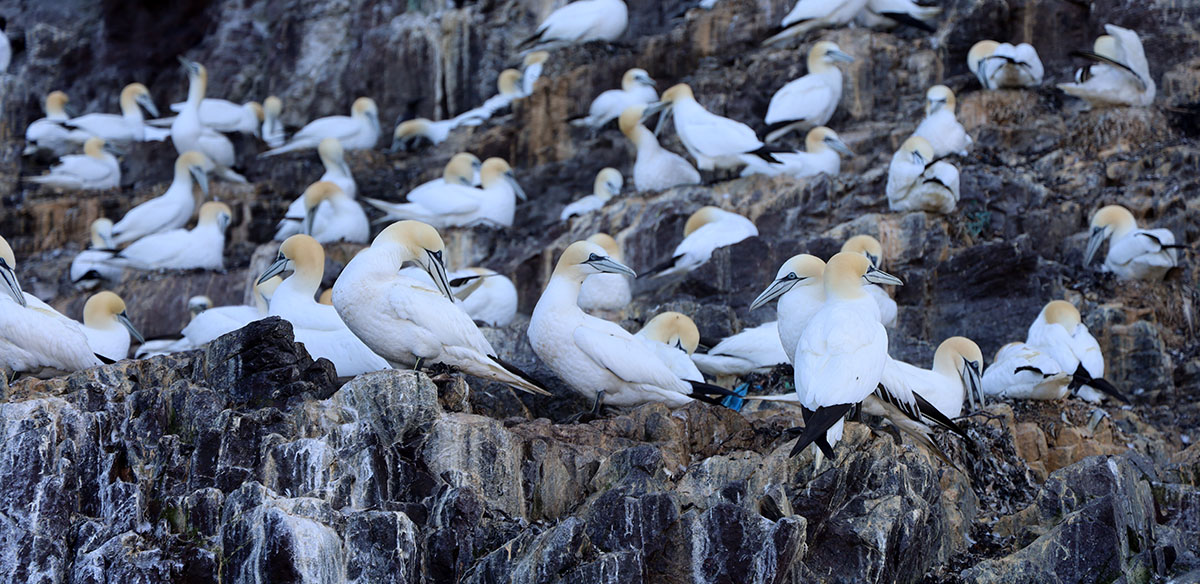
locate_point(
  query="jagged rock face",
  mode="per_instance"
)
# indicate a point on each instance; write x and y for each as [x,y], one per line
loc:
[249,458]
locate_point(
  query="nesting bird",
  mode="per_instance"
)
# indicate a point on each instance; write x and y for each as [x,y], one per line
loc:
[943,131]
[272,126]
[713,141]
[822,155]
[954,378]
[706,230]
[607,185]
[673,337]
[1004,66]
[809,15]
[410,134]
[488,296]
[1122,75]
[95,169]
[810,100]
[580,22]
[337,172]
[531,70]
[918,182]
[1133,253]
[655,167]
[1020,371]
[458,178]
[358,131]
[49,133]
[203,246]
[637,88]
[226,116]
[170,210]
[607,291]
[107,327]
[404,320]
[754,350]
[331,216]
[458,205]
[870,247]
[888,14]
[595,357]
[1060,333]
[90,268]
[211,323]
[130,126]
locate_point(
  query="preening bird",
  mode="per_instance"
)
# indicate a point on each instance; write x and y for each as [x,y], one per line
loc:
[713,141]
[337,172]
[943,131]
[822,155]
[655,167]
[170,210]
[1019,371]
[809,101]
[1133,253]
[95,169]
[955,377]
[637,88]
[1122,75]
[673,337]
[918,182]
[580,22]
[1004,66]
[331,216]
[203,246]
[1060,333]
[607,185]
[90,268]
[358,131]
[706,230]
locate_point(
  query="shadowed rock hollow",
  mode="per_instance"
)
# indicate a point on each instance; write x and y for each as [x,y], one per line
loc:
[249,458]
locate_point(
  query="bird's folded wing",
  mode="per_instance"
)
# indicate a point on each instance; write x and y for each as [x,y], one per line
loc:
[624,356]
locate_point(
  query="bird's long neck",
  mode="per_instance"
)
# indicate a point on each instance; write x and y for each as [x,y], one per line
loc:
[196,88]
[561,294]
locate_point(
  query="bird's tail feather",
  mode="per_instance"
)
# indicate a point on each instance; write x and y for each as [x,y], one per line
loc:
[660,269]
[815,427]
[1081,377]
[517,378]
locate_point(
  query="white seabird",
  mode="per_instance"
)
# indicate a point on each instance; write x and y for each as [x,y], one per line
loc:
[509,86]
[488,297]
[595,357]
[316,325]
[90,268]
[841,354]
[188,133]
[1122,76]
[213,322]
[170,210]
[608,291]
[331,216]
[887,14]
[655,167]
[336,171]
[95,169]
[917,182]
[5,52]
[713,141]
[822,155]
[272,126]
[409,134]
[581,22]
[457,205]
[107,327]
[637,88]
[1020,371]
[130,126]
[1060,333]
[808,15]
[607,185]
[203,246]
[943,131]
[1133,253]
[799,287]
[404,320]
[1004,66]
[49,133]
[462,169]
[955,377]
[226,116]
[810,100]
[870,247]
[673,338]
[706,230]
[754,350]
[358,131]
[531,70]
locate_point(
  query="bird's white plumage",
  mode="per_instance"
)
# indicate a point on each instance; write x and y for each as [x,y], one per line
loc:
[202,246]
[170,210]
[33,339]
[1069,348]
[1004,379]
[944,133]
[655,167]
[724,229]
[887,306]
[332,157]
[1112,85]
[1011,66]
[223,115]
[713,141]
[809,15]
[358,131]
[457,205]
[1139,254]
[93,171]
[583,21]
[878,14]
[915,185]
[753,350]
[675,359]
[636,89]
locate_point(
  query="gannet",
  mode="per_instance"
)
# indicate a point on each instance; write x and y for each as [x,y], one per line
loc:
[637,88]
[317,326]
[461,172]
[410,134]
[326,297]
[149,348]
[189,133]
[107,327]
[754,350]
[337,172]
[359,131]
[609,291]
[706,230]
[607,185]
[405,321]
[713,141]
[581,22]
[95,169]
[809,15]
[673,337]
[129,126]
[487,296]
[331,216]
[457,205]
[822,155]
[841,354]
[226,116]
[49,133]
[595,357]
[214,322]
[531,69]
[1122,76]
[887,14]
[1133,253]
[5,52]
[810,100]
[272,126]
[1003,66]
[799,287]
[870,247]
[509,86]
[170,210]
[940,127]
[1020,371]
[955,377]
[203,246]
[655,168]
[1060,333]
[89,267]
[916,182]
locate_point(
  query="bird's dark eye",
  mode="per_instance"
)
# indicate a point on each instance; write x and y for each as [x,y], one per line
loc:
[593,258]
[791,276]
[437,255]
[280,257]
